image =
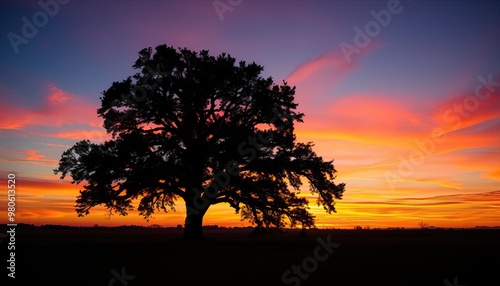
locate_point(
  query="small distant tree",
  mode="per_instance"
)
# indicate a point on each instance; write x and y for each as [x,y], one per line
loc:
[423,225]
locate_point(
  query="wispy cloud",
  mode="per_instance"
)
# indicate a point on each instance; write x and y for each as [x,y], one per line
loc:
[317,76]
[95,135]
[460,210]
[25,156]
[60,108]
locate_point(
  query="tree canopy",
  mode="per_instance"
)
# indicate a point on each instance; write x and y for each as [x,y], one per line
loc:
[204,129]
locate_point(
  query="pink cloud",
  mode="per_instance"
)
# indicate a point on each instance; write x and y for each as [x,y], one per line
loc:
[466,109]
[315,77]
[60,108]
[333,62]
[54,145]
[327,61]
[374,112]
[469,122]
[95,135]
[370,118]
[56,95]
[25,156]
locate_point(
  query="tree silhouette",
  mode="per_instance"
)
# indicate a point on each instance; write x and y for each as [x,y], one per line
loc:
[423,225]
[205,129]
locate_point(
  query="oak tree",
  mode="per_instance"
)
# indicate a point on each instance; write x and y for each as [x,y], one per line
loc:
[204,129]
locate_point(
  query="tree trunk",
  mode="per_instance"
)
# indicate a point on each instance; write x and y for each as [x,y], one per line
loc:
[193,228]
[196,204]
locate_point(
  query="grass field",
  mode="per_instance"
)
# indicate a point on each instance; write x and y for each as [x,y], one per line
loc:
[231,257]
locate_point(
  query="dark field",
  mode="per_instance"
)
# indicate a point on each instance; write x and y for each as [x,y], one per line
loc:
[231,257]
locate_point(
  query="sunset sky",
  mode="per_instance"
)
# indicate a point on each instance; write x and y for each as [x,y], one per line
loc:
[403,95]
